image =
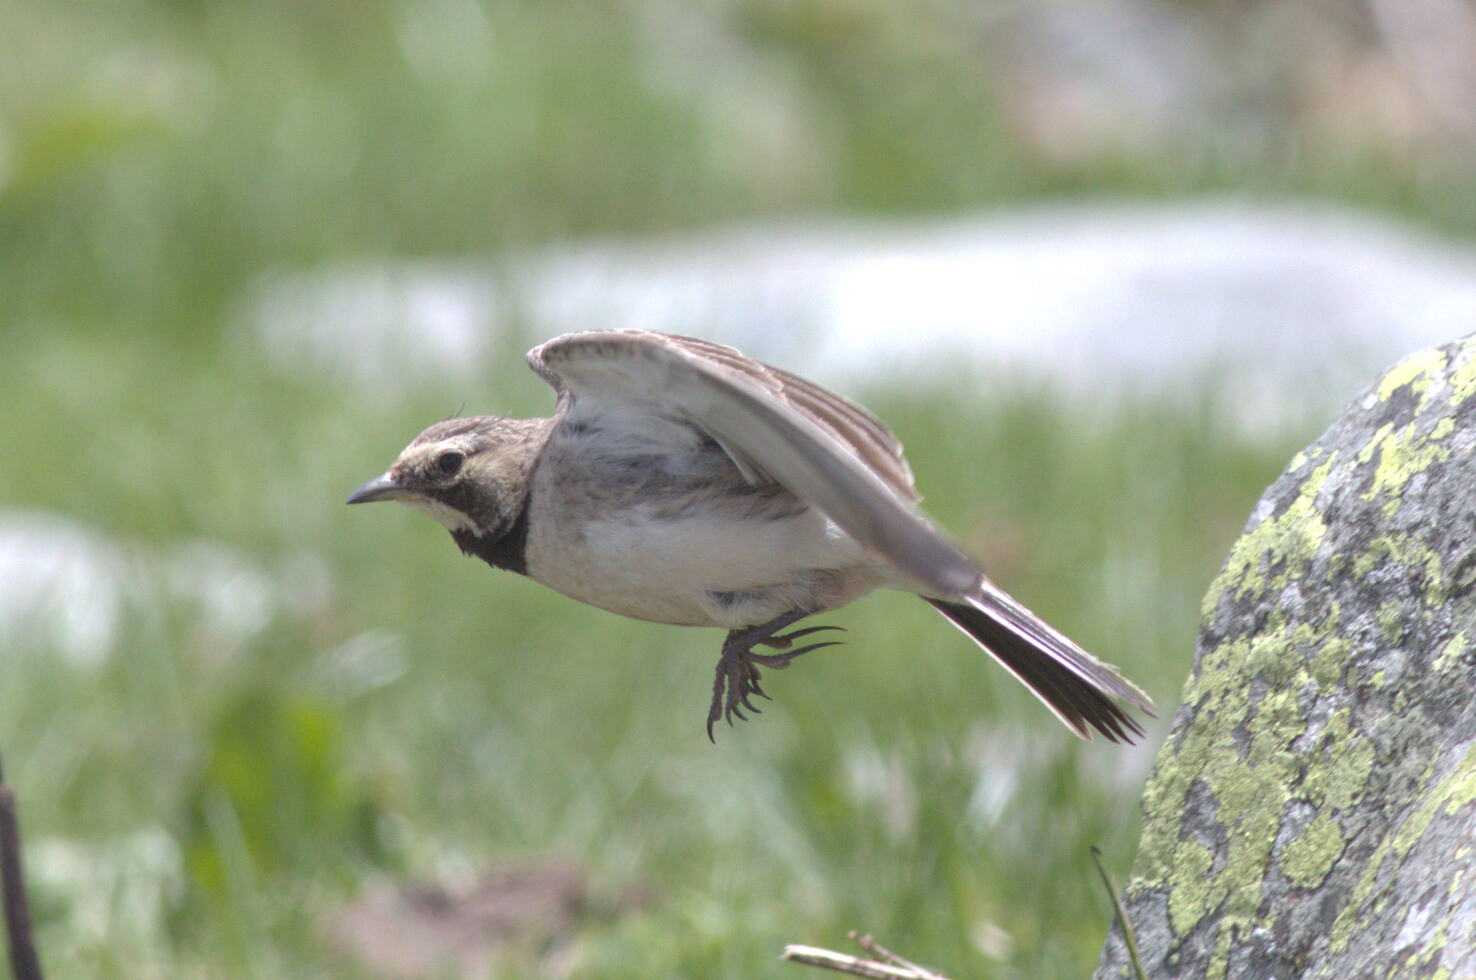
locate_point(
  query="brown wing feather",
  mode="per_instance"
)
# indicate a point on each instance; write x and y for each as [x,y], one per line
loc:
[856,428]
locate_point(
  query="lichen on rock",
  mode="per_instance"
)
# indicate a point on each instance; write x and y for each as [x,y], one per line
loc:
[1311,813]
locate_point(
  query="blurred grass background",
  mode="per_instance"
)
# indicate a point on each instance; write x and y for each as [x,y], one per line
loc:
[352,704]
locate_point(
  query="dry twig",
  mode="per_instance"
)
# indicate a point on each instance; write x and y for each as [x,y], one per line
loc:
[887,965]
[23,960]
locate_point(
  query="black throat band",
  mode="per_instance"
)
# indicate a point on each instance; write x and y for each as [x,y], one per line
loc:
[505,548]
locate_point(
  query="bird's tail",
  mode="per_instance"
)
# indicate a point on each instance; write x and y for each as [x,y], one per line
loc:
[1081,690]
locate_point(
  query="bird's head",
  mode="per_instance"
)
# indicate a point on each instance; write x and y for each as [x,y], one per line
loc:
[470,474]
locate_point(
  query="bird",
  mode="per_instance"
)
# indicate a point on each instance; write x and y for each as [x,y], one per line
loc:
[680,482]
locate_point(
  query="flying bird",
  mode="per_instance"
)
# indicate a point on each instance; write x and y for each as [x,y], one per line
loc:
[680,482]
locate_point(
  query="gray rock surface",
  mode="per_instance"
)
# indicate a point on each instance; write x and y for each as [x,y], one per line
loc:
[1311,813]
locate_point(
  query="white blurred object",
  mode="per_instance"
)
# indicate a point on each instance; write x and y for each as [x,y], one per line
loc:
[62,587]
[115,892]
[376,323]
[68,589]
[1280,313]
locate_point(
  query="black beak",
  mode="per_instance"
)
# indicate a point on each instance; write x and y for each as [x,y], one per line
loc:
[379,488]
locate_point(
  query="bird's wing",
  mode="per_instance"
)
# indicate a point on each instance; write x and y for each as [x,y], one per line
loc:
[774,425]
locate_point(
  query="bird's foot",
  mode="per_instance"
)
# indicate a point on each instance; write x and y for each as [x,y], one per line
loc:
[737,678]
[787,640]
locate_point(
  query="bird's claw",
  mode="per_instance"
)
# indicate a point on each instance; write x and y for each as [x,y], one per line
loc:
[737,676]
[778,661]
[784,642]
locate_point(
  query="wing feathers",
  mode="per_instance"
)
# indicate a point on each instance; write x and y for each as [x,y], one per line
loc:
[1057,674]
[855,426]
[995,603]
[818,446]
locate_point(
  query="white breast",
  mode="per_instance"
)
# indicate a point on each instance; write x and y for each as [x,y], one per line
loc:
[700,569]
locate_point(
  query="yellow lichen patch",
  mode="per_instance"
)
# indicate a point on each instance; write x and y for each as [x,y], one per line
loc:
[1339,768]
[1402,454]
[1462,379]
[1332,659]
[1349,765]
[1375,441]
[1307,860]
[1450,655]
[1416,370]
[1193,895]
[1455,790]
[1391,618]
[1250,794]
[1290,540]
[1407,551]
[1252,778]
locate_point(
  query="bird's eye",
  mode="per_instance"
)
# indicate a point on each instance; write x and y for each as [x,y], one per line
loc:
[449,462]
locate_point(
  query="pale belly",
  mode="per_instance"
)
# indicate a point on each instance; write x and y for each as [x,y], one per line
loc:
[688,571]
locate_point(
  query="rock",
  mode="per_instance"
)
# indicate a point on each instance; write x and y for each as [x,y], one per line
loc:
[1313,810]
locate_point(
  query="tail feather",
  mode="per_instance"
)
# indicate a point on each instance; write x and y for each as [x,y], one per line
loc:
[1078,688]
